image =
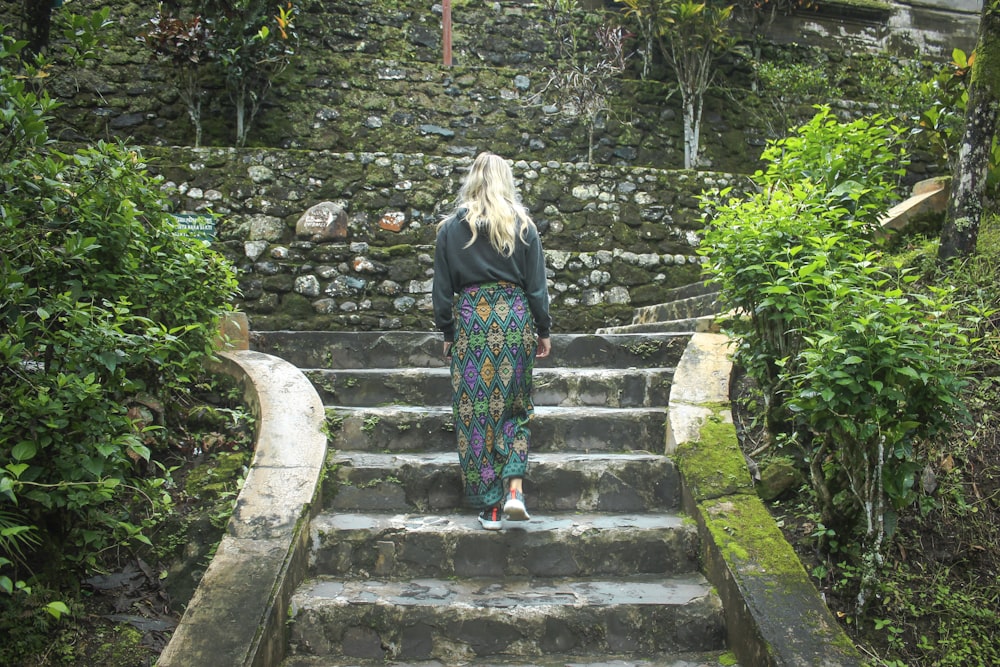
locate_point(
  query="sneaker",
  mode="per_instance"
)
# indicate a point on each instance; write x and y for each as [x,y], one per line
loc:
[491,519]
[514,508]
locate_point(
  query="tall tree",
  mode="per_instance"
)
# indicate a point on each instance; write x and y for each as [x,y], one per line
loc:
[690,36]
[965,207]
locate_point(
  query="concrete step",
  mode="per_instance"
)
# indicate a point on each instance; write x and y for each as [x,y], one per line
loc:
[705,324]
[416,349]
[681,292]
[454,621]
[400,428]
[691,307]
[699,659]
[445,545]
[563,482]
[564,387]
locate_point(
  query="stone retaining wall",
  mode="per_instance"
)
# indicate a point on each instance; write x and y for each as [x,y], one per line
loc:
[615,237]
[367,76]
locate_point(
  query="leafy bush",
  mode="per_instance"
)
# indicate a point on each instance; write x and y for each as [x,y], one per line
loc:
[855,368]
[103,300]
[783,87]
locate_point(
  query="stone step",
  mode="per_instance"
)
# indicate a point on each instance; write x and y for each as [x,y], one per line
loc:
[402,428]
[681,309]
[563,482]
[564,387]
[418,349]
[705,324]
[699,659]
[444,545]
[454,621]
[698,288]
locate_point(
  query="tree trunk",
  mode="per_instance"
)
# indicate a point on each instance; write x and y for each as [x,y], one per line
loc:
[241,110]
[692,131]
[37,16]
[968,186]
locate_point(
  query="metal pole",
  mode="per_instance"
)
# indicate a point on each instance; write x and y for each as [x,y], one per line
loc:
[446,20]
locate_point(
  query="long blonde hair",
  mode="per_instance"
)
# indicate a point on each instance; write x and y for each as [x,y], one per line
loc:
[490,200]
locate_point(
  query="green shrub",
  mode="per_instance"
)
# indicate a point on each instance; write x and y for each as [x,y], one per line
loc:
[102,300]
[855,366]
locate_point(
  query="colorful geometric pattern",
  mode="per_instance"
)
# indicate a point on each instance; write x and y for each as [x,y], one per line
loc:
[491,366]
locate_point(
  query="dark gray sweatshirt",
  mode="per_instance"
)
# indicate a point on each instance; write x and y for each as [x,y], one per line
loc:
[456,266]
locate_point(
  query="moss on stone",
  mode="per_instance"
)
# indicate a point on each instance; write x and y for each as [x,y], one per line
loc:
[216,476]
[746,534]
[122,645]
[713,465]
[728,659]
[866,4]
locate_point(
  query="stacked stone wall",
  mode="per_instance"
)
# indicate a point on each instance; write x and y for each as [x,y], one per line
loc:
[616,237]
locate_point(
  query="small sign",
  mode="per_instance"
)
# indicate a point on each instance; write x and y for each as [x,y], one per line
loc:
[199,225]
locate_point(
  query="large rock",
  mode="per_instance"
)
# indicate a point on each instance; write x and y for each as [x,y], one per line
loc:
[326,221]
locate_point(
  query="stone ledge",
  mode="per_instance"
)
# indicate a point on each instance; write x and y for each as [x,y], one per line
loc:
[774,615]
[237,615]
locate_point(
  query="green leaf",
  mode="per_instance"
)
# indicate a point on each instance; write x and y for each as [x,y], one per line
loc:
[57,609]
[16,469]
[24,451]
[93,465]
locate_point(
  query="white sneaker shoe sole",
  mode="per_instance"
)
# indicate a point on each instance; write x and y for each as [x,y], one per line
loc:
[515,510]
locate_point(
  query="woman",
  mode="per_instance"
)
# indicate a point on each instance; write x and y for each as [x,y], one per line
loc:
[489,254]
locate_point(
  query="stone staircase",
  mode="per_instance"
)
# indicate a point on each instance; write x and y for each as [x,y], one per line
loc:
[691,307]
[605,573]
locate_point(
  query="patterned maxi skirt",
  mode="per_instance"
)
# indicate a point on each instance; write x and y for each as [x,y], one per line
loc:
[491,365]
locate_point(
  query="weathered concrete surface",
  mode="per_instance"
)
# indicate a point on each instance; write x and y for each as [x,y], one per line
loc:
[556,482]
[774,616]
[560,387]
[237,615]
[701,384]
[458,620]
[408,546]
[396,349]
[929,27]
[927,198]
[581,429]
[686,659]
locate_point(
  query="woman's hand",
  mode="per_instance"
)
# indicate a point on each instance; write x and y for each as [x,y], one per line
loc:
[544,347]
[447,348]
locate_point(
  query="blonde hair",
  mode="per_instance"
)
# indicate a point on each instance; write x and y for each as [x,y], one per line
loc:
[490,201]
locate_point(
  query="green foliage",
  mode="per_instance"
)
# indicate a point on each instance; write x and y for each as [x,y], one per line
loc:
[184,45]
[246,43]
[689,35]
[897,88]
[28,620]
[253,41]
[934,619]
[940,122]
[854,164]
[783,87]
[855,366]
[102,299]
